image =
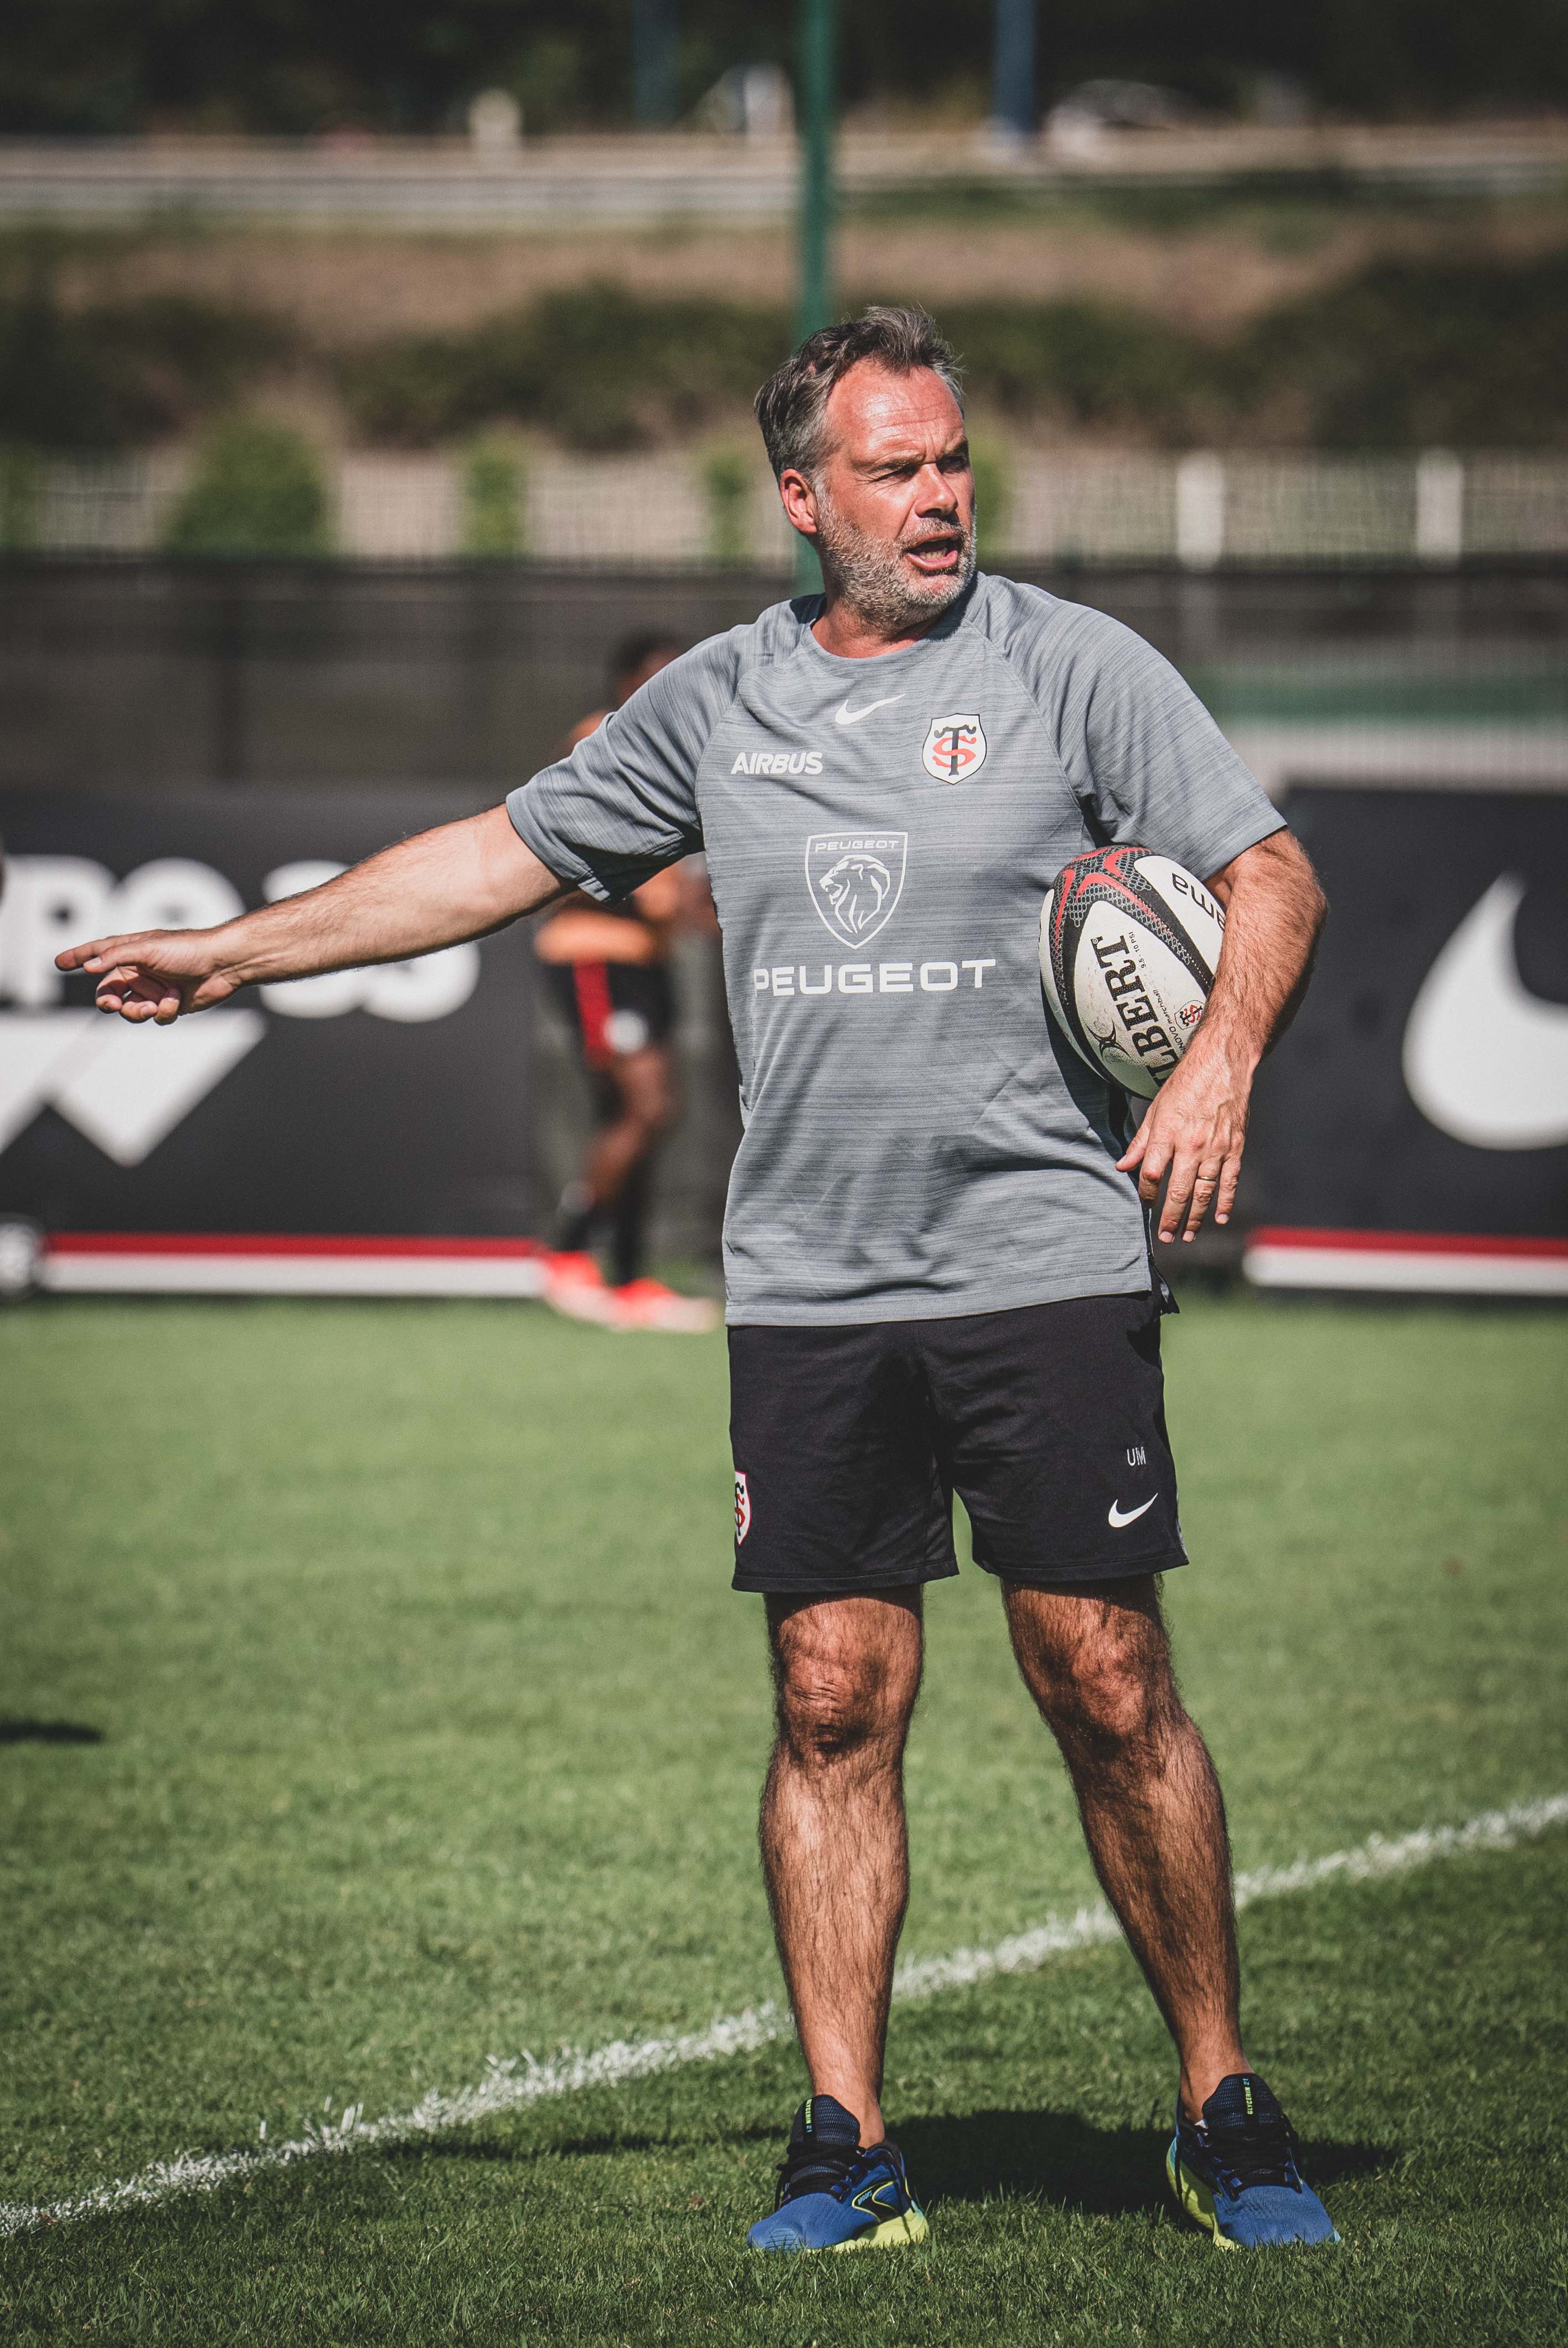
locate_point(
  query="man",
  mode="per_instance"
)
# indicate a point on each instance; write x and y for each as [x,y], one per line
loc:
[938,1270]
[609,975]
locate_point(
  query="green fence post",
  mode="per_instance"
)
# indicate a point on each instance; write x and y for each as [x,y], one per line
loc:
[817,36]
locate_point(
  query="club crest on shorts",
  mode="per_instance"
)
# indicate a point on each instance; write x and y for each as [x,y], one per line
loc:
[856,878]
[742,1508]
[955,746]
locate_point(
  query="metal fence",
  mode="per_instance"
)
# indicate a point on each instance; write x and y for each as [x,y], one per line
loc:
[165,675]
[486,183]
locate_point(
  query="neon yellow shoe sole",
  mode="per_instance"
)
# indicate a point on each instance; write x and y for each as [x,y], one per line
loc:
[892,2234]
[1193,2197]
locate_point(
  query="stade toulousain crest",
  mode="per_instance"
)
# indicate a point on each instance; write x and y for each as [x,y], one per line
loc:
[954,747]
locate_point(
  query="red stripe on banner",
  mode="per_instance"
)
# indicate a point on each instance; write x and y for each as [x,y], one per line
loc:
[286,1243]
[594,1006]
[1410,1243]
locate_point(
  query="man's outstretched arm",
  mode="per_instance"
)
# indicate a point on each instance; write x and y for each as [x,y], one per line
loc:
[1195,1127]
[435,890]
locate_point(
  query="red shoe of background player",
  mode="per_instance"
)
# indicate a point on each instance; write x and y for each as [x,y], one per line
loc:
[649,1305]
[575,1285]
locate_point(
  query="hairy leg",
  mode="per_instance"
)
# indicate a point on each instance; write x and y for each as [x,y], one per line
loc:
[847,1672]
[1099,1667]
[642,1103]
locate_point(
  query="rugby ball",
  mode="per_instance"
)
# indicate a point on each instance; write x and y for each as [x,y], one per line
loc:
[1129,946]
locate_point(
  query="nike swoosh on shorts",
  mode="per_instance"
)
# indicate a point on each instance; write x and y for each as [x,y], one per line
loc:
[844,715]
[1116,1517]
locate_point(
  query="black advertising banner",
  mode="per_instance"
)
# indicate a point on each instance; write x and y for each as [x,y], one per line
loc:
[1424,1087]
[1423,1091]
[390,1101]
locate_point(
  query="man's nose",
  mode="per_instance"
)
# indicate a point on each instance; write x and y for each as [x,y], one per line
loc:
[936,491]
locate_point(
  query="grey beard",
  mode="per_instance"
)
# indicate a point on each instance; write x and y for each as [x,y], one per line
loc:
[870,575]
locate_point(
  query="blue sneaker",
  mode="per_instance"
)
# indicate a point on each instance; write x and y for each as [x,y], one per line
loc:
[1235,2173]
[835,2197]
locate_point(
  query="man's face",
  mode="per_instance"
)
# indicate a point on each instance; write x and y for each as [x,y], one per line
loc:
[892,503]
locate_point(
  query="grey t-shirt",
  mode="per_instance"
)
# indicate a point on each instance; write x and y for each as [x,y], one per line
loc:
[879,835]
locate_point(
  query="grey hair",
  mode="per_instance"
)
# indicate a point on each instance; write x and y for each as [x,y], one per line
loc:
[792,402]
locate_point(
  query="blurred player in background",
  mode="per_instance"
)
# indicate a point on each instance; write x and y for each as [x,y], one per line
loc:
[609,974]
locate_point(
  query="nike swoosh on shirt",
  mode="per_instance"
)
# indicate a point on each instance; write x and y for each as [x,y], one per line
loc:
[847,716]
[1118,1520]
[1484,1059]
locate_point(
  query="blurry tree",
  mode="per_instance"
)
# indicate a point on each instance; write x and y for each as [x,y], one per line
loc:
[598,367]
[92,381]
[60,388]
[1466,352]
[1405,354]
[1089,362]
[309,65]
[257,490]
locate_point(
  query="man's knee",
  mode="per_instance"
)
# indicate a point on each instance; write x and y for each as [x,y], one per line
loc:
[1101,1672]
[1108,1708]
[829,1713]
[845,1676]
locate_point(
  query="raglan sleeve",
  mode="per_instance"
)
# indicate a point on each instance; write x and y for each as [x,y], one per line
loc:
[624,804]
[1143,757]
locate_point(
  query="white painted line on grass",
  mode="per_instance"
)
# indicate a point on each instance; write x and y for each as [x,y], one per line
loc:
[1492,1830]
[513,2082]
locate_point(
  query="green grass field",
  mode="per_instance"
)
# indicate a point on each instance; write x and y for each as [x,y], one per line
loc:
[427,1730]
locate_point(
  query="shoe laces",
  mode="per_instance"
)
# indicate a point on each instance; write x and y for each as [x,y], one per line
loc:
[1254,2152]
[823,2168]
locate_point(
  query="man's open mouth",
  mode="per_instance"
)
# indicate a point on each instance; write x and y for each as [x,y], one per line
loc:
[940,554]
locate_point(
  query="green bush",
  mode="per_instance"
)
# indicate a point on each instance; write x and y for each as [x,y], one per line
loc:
[107,378]
[600,367]
[605,370]
[257,490]
[1464,353]
[1087,362]
[21,496]
[728,475]
[993,497]
[60,386]
[493,484]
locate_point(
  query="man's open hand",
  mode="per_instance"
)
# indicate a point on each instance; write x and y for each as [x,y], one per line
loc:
[156,974]
[1195,1128]
[1194,1131]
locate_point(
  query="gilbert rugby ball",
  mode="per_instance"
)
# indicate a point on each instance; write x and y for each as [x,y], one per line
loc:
[1129,944]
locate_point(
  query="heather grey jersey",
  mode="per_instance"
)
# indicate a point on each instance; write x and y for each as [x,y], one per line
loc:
[879,835]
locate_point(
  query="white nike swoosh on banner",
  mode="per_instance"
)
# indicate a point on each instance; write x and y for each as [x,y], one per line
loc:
[1118,1520]
[1485,1060]
[124,1087]
[847,716]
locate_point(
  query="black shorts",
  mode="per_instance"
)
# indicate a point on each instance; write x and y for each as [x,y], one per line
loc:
[1048,1422]
[615,1007]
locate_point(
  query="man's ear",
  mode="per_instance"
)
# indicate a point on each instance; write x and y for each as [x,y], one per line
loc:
[799,501]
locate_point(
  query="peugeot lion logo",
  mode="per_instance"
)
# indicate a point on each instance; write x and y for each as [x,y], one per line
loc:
[855,880]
